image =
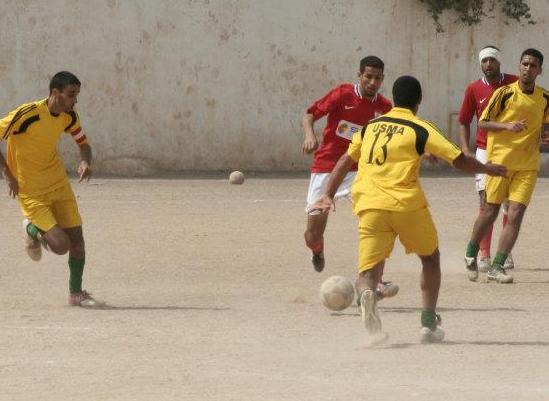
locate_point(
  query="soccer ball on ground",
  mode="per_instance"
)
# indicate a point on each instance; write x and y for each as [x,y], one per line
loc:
[337,293]
[236,177]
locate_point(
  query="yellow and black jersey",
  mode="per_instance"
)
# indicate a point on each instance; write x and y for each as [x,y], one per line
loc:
[516,150]
[32,135]
[388,151]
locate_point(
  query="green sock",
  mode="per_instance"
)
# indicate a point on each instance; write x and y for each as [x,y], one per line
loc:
[472,250]
[500,259]
[429,319]
[76,267]
[33,231]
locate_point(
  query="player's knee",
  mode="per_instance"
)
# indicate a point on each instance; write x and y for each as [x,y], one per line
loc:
[490,211]
[59,248]
[515,214]
[312,237]
[59,245]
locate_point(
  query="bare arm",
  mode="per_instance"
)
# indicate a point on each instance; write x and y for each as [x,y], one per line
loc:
[84,168]
[545,135]
[310,143]
[337,175]
[464,137]
[472,165]
[495,126]
[8,176]
[3,164]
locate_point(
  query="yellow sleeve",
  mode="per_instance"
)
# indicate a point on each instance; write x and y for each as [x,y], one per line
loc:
[13,121]
[438,145]
[74,122]
[493,108]
[355,145]
[5,125]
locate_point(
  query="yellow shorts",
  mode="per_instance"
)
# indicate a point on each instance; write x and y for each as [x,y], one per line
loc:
[378,229]
[50,209]
[518,187]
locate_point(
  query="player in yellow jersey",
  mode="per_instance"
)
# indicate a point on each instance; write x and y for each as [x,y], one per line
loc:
[516,119]
[389,201]
[36,176]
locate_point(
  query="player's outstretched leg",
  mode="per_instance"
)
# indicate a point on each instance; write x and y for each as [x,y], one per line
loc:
[314,239]
[369,313]
[506,242]
[430,285]
[366,286]
[77,258]
[484,220]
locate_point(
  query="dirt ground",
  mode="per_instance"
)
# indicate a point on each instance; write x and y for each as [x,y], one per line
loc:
[213,298]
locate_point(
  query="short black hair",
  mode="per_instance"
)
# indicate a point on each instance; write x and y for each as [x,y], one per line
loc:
[371,61]
[490,47]
[534,53]
[63,79]
[406,92]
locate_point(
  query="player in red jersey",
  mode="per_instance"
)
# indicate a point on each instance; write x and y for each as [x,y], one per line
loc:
[348,108]
[477,95]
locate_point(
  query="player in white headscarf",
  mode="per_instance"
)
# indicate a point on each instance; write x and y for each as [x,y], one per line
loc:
[477,95]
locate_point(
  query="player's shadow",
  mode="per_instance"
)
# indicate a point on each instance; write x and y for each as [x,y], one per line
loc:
[534,269]
[344,314]
[387,309]
[162,308]
[476,342]
[448,309]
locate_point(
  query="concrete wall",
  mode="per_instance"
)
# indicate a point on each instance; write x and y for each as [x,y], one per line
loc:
[210,84]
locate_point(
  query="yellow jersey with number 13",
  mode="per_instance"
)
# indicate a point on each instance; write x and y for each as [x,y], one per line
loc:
[388,151]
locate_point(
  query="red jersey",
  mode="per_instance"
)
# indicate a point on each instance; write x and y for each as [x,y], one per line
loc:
[347,113]
[476,98]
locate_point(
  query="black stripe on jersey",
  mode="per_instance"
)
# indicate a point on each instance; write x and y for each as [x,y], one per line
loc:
[364,130]
[421,133]
[372,121]
[433,126]
[505,98]
[74,117]
[496,101]
[25,124]
[17,116]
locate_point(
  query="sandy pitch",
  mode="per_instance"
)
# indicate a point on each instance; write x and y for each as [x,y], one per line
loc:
[214,298]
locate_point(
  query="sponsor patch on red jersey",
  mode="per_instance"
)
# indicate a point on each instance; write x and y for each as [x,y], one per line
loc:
[347,112]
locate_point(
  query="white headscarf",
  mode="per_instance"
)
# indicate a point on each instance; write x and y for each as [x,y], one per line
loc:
[489,52]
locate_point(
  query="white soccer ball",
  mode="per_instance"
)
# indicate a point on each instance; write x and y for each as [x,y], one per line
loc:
[236,177]
[337,293]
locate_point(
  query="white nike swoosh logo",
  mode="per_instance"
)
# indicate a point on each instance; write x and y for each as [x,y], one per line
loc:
[350,107]
[482,100]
